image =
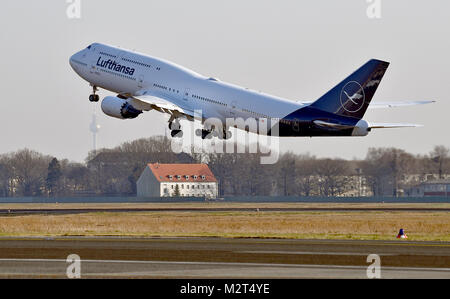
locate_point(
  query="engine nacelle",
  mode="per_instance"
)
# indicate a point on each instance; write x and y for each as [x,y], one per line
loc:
[362,128]
[119,108]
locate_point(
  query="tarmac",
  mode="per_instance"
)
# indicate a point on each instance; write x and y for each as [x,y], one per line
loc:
[115,257]
[67,211]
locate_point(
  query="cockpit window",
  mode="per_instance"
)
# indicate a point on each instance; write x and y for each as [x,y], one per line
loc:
[89,47]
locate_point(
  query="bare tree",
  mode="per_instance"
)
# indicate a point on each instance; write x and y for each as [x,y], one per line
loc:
[77,178]
[384,168]
[287,174]
[439,156]
[333,176]
[5,178]
[29,171]
[306,181]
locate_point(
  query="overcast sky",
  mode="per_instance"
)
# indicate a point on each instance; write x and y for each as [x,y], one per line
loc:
[294,49]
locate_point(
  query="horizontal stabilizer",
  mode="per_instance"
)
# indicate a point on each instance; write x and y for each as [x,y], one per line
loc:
[377,105]
[380,105]
[392,125]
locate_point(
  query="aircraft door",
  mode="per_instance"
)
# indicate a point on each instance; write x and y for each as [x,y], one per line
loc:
[141,80]
[93,59]
[233,109]
[186,94]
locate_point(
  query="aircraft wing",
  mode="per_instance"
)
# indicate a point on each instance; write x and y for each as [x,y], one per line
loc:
[147,102]
[392,125]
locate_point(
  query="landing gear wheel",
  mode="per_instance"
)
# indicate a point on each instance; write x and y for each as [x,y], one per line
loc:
[226,135]
[206,134]
[176,134]
[174,126]
[94,98]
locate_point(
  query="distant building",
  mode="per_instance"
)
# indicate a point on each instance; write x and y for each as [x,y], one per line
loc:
[165,180]
[431,188]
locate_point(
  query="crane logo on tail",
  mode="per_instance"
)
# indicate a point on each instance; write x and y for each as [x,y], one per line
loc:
[352,97]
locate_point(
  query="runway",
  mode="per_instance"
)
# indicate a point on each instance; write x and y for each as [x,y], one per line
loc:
[109,257]
[65,211]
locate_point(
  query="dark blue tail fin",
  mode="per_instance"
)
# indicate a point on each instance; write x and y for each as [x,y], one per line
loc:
[352,96]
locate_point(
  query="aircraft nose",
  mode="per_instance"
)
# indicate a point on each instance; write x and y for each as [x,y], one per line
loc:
[76,59]
[72,60]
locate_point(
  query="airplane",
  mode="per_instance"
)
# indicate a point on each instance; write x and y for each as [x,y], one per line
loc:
[145,83]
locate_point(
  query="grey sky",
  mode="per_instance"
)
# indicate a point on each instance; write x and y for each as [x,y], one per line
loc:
[294,49]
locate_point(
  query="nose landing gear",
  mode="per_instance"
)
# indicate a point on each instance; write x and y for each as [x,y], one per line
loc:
[94,98]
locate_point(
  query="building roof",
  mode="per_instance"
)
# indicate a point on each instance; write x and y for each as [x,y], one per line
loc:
[182,173]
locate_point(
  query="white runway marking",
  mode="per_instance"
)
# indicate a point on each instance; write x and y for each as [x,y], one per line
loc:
[313,253]
[223,264]
[179,269]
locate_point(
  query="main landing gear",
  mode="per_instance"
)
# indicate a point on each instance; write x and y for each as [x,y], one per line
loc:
[94,98]
[176,132]
[209,134]
[205,134]
[175,127]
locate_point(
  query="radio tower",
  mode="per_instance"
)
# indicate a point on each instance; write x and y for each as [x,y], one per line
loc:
[94,128]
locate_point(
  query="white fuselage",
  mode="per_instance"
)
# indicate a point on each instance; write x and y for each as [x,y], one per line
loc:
[128,72]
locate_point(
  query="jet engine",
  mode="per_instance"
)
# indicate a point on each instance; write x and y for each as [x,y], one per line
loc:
[119,108]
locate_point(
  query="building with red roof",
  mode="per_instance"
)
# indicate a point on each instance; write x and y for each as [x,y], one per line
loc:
[177,180]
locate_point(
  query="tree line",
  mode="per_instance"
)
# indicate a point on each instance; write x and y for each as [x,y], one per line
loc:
[114,172]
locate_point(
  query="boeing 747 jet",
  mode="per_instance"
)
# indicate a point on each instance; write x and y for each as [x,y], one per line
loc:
[145,83]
